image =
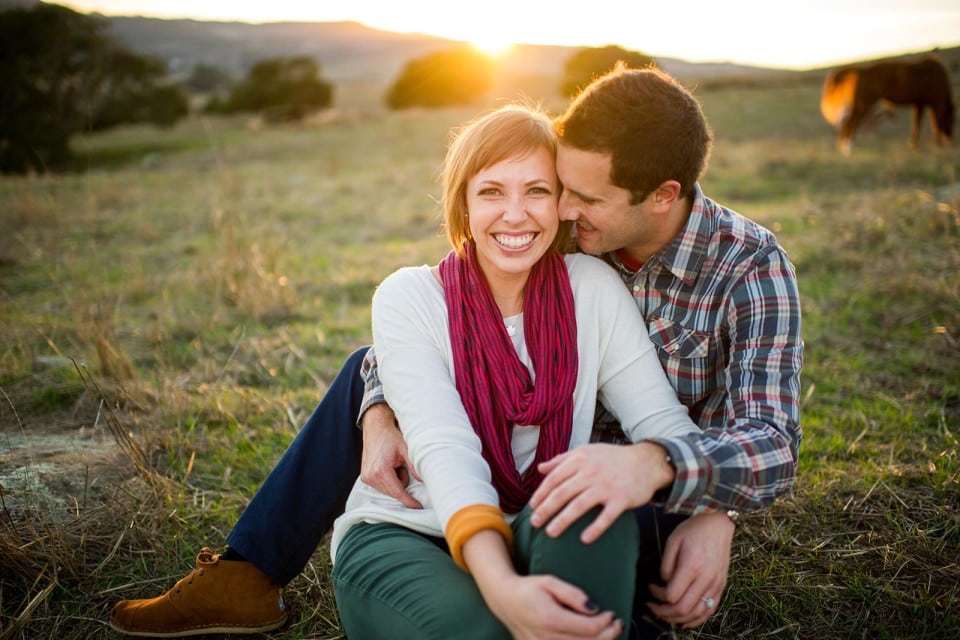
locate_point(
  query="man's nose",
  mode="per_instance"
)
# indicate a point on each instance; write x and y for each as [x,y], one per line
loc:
[567,207]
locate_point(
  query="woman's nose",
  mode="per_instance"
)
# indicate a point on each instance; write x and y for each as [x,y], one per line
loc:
[515,210]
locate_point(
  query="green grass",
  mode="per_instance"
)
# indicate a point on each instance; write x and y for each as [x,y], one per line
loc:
[210,279]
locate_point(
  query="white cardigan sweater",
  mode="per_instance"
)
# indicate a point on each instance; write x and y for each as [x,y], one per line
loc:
[617,365]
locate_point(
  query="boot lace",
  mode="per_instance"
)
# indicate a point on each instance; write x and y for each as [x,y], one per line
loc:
[206,558]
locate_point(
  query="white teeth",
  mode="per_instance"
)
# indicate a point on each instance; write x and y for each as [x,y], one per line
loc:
[515,242]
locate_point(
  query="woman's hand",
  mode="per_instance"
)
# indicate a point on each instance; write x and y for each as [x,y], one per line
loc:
[615,477]
[542,607]
[537,607]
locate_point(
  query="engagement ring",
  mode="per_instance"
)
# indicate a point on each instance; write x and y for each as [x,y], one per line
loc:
[709,602]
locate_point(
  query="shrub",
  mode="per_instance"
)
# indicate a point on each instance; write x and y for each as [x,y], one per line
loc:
[440,79]
[279,89]
[586,64]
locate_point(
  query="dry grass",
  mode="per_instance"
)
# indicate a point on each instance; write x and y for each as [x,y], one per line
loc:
[166,327]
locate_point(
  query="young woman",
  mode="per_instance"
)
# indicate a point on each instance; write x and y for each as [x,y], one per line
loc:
[493,362]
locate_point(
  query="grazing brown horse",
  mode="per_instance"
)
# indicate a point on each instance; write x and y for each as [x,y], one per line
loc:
[850,93]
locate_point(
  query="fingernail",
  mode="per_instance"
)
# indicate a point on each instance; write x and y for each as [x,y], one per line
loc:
[536,520]
[592,606]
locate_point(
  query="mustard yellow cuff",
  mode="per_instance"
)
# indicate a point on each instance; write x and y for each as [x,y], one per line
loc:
[468,521]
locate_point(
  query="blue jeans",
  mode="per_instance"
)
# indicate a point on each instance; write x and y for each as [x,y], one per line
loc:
[305,492]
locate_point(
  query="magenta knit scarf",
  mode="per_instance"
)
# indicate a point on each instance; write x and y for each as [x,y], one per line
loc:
[495,387]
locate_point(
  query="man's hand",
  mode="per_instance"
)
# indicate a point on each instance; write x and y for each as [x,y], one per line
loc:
[384,464]
[616,477]
[695,563]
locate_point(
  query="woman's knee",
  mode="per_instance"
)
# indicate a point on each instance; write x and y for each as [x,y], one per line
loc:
[605,568]
[622,536]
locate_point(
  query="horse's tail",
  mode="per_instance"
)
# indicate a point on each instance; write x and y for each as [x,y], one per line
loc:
[836,101]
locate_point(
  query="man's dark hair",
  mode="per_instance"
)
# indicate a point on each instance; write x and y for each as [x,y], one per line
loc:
[652,127]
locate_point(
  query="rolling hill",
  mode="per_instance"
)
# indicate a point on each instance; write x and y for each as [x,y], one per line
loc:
[347,51]
[353,52]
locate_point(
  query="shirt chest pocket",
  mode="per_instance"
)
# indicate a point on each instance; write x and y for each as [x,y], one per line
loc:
[689,357]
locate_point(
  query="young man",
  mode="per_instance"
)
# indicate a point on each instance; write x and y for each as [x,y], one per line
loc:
[720,300]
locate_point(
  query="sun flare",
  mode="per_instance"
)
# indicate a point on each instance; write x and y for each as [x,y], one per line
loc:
[491,45]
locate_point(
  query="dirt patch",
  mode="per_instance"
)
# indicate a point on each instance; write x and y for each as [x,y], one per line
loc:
[59,472]
[59,462]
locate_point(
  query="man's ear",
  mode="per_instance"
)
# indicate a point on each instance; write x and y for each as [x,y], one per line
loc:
[666,194]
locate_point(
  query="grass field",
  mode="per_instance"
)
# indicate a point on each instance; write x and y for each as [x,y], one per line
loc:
[171,312]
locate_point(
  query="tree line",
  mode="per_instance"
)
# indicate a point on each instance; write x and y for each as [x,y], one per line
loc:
[63,74]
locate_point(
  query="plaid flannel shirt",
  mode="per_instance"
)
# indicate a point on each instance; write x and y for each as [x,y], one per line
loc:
[722,307]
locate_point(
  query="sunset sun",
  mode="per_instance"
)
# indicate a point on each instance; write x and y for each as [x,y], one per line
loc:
[491,44]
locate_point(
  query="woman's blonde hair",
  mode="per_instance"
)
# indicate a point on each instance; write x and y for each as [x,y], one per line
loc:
[510,131]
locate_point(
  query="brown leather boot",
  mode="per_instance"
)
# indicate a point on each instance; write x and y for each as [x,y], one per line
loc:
[216,597]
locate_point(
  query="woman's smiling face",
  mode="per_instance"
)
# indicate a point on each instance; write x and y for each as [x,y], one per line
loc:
[512,209]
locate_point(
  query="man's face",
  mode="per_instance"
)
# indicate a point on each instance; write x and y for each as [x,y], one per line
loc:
[606,221]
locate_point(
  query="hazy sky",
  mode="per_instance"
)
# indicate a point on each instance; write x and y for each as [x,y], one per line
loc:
[801,34]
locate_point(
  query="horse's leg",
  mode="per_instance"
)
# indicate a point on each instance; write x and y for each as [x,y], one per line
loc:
[917,121]
[845,132]
[850,124]
[844,145]
[941,114]
[843,138]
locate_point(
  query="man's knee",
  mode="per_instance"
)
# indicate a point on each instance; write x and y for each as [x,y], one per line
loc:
[351,366]
[355,359]
[349,384]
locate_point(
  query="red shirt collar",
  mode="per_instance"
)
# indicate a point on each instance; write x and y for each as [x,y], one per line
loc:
[629,263]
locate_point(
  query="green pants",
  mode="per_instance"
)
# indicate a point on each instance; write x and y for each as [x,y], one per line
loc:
[394,583]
